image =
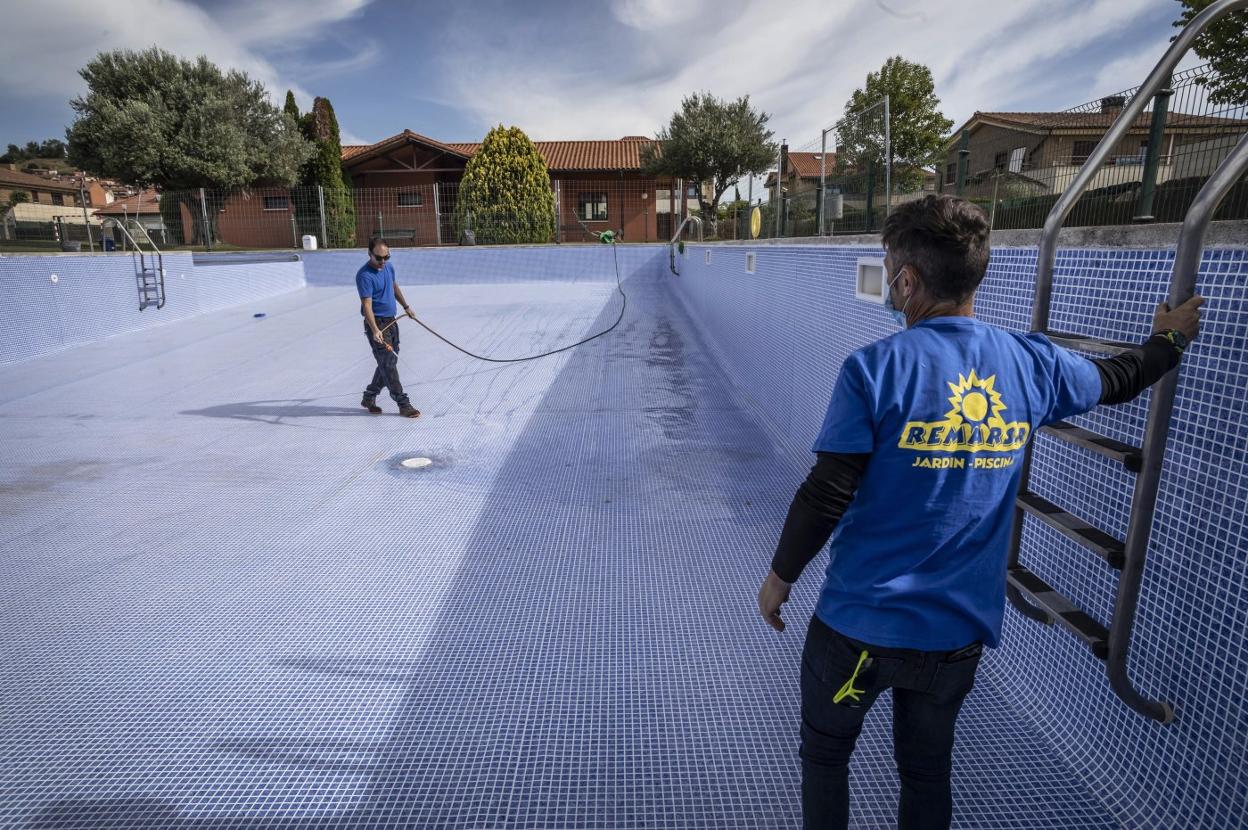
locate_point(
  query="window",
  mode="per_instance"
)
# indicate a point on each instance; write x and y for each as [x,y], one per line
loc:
[692,192]
[411,198]
[58,199]
[275,203]
[951,173]
[1016,159]
[593,207]
[1082,150]
[999,160]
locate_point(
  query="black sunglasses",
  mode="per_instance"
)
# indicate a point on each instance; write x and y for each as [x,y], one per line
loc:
[380,258]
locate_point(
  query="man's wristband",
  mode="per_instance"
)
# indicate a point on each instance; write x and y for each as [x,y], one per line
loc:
[1175,338]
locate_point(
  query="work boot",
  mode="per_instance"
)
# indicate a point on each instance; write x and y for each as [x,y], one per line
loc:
[370,403]
[408,411]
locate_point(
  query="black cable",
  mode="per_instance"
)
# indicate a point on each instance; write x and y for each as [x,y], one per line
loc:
[618,287]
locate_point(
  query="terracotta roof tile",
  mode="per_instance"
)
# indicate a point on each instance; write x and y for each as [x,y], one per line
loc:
[148,202]
[1102,120]
[19,179]
[621,154]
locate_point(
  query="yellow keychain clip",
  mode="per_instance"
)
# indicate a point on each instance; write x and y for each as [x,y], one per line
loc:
[848,690]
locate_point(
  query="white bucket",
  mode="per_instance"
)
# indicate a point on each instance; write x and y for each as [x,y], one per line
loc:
[309,242]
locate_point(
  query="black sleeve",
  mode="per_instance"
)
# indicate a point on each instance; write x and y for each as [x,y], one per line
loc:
[1130,373]
[817,507]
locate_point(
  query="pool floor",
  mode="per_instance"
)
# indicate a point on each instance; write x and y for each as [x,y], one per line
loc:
[224,603]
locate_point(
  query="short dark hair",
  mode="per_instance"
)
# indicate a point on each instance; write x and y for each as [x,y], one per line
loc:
[374,242]
[945,239]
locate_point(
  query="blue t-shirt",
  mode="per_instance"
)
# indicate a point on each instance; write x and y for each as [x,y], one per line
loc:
[380,286]
[945,408]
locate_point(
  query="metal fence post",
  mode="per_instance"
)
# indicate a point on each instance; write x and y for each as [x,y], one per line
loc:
[86,220]
[1152,156]
[784,146]
[559,211]
[964,159]
[437,215]
[381,227]
[820,202]
[870,215]
[203,210]
[888,162]
[294,232]
[320,198]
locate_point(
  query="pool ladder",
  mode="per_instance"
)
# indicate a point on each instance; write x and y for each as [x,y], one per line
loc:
[149,266]
[1027,592]
[671,247]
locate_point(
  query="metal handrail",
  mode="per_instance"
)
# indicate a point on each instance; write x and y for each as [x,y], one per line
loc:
[1157,79]
[697,221]
[1161,405]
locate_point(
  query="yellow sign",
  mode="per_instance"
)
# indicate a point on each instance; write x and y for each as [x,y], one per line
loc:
[756,223]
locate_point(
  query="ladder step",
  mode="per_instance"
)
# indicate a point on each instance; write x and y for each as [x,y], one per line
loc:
[1094,635]
[1130,457]
[1089,344]
[1070,525]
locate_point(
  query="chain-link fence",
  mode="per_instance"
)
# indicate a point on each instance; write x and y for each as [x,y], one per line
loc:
[1017,164]
[430,213]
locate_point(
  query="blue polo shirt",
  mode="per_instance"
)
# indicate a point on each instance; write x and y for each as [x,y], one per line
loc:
[380,286]
[945,408]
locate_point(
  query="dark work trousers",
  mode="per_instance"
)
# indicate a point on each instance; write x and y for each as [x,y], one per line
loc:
[928,690]
[386,376]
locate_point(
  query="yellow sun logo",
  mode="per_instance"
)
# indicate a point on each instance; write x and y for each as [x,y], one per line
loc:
[975,401]
[973,423]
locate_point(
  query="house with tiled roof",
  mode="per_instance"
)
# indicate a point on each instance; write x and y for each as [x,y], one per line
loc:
[406,187]
[1042,152]
[38,189]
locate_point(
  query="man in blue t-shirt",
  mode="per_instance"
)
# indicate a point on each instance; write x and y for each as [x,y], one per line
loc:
[378,292]
[919,463]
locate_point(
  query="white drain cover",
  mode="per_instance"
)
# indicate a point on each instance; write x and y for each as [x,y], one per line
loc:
[416,463]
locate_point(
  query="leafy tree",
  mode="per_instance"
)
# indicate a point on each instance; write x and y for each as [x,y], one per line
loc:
[711,141]
[325,169]
[152,119]
[53,148]
[1225,46]
[291,108]
[505,195]
[18,197]
[916,127]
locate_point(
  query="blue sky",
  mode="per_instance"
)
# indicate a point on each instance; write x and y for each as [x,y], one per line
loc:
[564,69]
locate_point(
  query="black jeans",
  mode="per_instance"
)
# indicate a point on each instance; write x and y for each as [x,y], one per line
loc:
[386,376]
[928,690]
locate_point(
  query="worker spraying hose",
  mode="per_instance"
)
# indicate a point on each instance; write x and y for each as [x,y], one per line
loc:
[380,297]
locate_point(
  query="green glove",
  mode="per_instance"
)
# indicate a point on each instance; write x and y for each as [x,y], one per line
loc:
[607,237]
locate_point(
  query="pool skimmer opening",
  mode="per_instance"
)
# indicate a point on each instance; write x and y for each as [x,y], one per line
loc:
[416,463]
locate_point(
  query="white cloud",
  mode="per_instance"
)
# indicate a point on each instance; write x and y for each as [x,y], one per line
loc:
[42,58]
[799,60]
[649,15]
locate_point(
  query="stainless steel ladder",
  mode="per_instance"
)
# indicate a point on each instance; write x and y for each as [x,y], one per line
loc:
[149,266]
[671,246]
[1027,592]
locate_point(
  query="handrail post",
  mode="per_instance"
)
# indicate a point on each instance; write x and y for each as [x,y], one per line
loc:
[1152,156]
[1161,406]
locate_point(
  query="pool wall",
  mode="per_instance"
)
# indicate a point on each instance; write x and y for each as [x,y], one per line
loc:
[94,297]
[781,334]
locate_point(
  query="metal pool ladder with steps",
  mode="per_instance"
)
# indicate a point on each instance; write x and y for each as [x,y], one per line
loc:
[1027,591]
[149,264]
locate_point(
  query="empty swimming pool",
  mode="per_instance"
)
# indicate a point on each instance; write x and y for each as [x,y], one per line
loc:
[227,603]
